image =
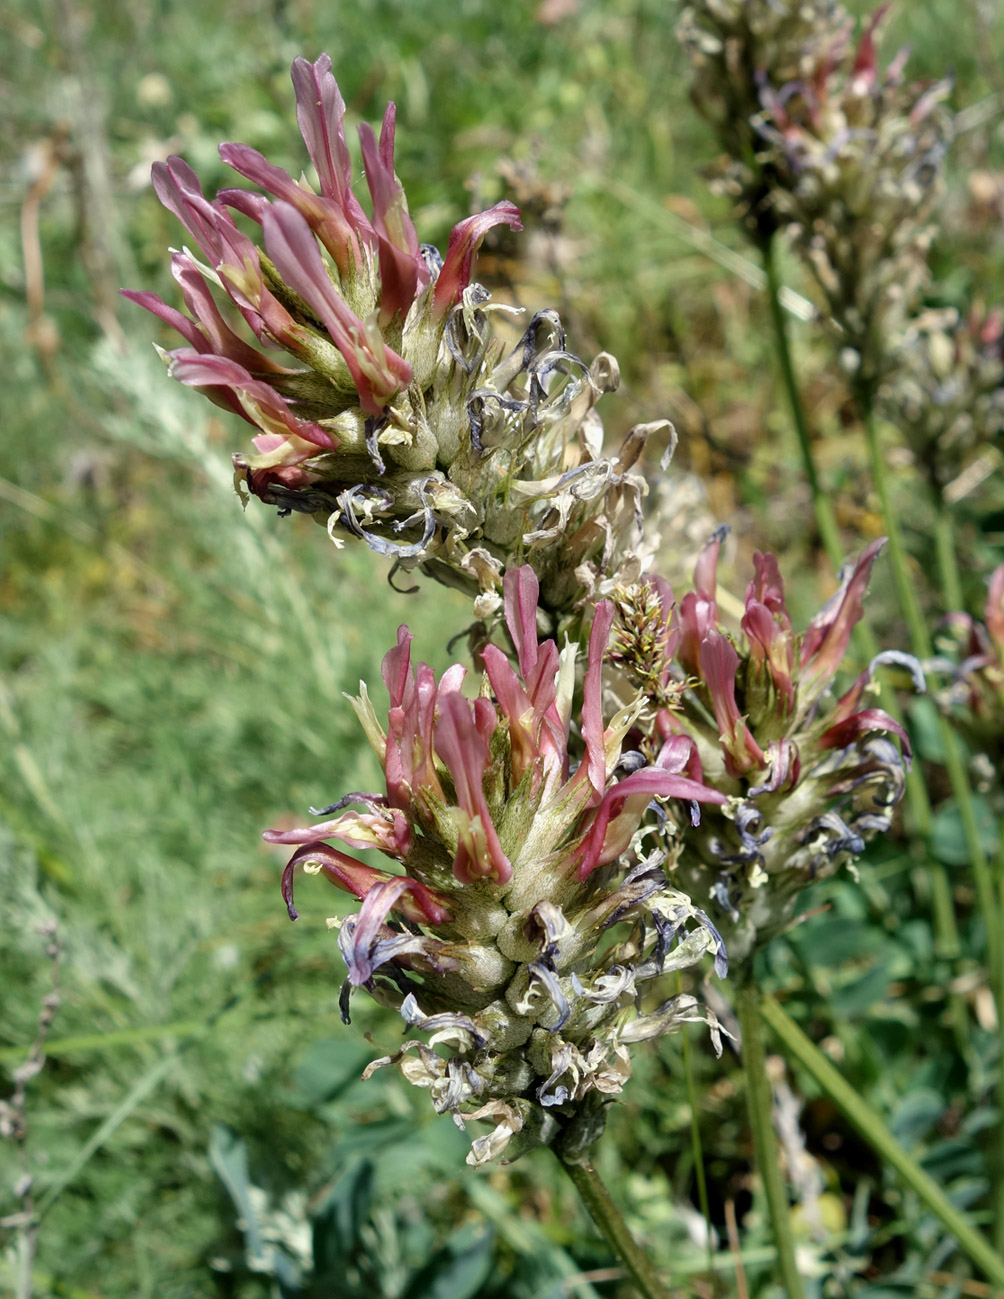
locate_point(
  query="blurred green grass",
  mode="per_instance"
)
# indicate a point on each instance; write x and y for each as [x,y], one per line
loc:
[173,668]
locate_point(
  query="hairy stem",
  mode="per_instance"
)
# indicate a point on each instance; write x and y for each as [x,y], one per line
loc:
[759,1100]
[881,1140]
[613,1228]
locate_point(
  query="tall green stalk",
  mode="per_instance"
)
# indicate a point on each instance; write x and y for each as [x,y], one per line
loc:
[873,1130]
[759,1100]
[695,1137]
[920,643]
[987,891]
[945,928]
[613,1228]
[825,518]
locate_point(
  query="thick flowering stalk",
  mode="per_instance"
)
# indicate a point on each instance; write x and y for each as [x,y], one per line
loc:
[517,929]
[810,776]
[383,401]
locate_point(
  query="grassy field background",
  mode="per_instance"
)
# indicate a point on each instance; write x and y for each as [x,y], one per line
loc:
[173,668]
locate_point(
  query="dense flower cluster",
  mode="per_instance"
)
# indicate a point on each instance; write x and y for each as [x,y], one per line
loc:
[522,934]
[845,154]
[809,776]
[861,155]
[733,45]
[396,414]
[973,660]
[947,396]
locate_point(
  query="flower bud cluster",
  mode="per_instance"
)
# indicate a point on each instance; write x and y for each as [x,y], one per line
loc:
[382,398]
[809,776]
[947,396]
[972,656]
[517,932]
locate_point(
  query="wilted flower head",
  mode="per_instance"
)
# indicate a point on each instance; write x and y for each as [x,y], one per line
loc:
[844,153]
[809,776]
[382,399]
[972,659]
[859,156]
[513,872]
[947,396]
[732,44]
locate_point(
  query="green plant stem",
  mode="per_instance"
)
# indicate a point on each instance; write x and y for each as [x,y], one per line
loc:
[987,890]
[613,1228]
[951,591]
[945,928]
[759,1100]
[825,518]
[948,569]
[695,1136]
[920,641]
[881,1140]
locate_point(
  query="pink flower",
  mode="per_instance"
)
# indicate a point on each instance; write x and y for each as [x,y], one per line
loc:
[828,635]
[377,371]
[465,239]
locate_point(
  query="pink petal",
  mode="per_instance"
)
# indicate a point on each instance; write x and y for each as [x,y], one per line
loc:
[465,239]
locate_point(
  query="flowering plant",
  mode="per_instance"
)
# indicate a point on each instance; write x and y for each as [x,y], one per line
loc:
[404,419]
[973,659]
[516,872]
[810,776]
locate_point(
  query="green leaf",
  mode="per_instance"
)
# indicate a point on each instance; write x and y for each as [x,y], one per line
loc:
[857,997]
[948,841]
[925,730]
[455,1272]
[327,1070]
[228,1154]
[916,1114]
[340,1218]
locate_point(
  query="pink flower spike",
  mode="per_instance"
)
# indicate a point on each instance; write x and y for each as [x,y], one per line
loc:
[521,592]
[244,201]
[592,698]
[719,661]
[180,191]
[828,635]
[465,239]
[324,216]
[706,568]
[403,271]
[320,114]
[414,901]
[466,755]
[869,719]
[516,708]
[186,327]
[261,403]
[377,372]
[767,588]
[699,608]
[772,646]
[619,814]
[865,68]
[396,667]
[221,338]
